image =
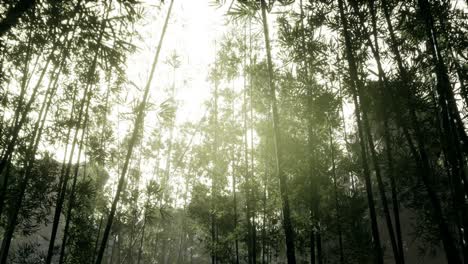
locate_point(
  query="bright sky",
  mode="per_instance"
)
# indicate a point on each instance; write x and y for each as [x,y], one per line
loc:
[193,28]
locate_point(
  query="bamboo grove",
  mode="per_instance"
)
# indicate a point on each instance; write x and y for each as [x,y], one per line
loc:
[334,132]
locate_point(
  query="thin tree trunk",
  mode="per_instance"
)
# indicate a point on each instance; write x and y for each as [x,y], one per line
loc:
[63,187]
[214,175]
[314,201]
[420,154]
[246,160]
[380,185]
[5,179]
[134,219]
[264,238]
[252,174]
[71,199]
[312,243]
[97,239]
[128,252]
[23,86]
[452,120]
[345,133]
[138,124]
[235,211]
[140,248]
[319,246]
[452,126]
[4,189]
[4,97]
[22,117]
[29,164]
[53,91]
[287,225]
[370,139]
[264,227]
[103,146]
[63,181]
[171,138]
[387,138]
[445,30]
[355,86]
[337,204]
[183,232]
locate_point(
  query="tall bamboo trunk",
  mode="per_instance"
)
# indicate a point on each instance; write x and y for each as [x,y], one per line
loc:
[345,133]
[335,190]
[4,190]
[134,218]
[71,199]
[234,192]
[30,159]
[183,232]
[54,90]
[140,248]
[65,171]
[5,97]
[248,213]
[445,30]
[385,93]
[312,242]
[167,174]
[287,224]
[214,175]
[419,152]
[315,199]
[103,145]
[355,85]
[452,122]
[23,86]
[97,240]
[23,113]
[65,175]
[264,220]
[5,162]
[138,124]
[381,187]
[252,151]
[63,187]
[252,165]
[453,128]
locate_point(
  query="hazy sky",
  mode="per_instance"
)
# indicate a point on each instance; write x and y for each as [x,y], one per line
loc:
[194,27]
[191,33]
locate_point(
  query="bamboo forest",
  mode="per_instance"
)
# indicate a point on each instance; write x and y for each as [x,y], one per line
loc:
[233,131]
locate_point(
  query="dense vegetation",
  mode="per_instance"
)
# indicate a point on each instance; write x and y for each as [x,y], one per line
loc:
[335,132]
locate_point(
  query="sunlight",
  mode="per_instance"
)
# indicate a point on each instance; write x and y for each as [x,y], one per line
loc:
[194,28]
